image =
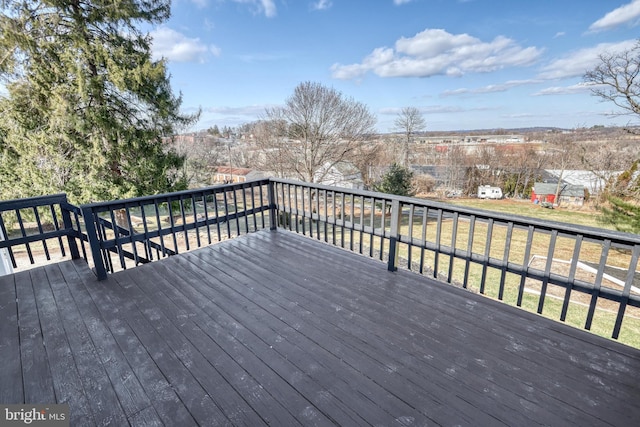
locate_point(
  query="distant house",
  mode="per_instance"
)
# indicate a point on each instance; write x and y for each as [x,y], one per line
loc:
[594,182]
[569,194]
[341,174]
[228,175]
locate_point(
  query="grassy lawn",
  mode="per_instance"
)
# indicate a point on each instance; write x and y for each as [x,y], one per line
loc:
[584,216]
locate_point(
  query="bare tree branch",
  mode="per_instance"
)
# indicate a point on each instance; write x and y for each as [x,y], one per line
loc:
[615,79]
[409,122]
[316,126]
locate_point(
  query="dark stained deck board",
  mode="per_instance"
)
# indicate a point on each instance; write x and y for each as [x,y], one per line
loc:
[246,310]
[381,350]
[91,370]
[502,313]
[328,353]
[99,391]
[275,329]
[170,374]
[165,401]
[197,351]
[130,395]
[237,354]
[36,376]
[542,375]
[11,372]
[66,381]
[385,355]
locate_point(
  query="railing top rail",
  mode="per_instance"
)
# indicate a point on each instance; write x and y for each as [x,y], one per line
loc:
[52,199]
[587,232]
[317,186]
[115,204]
[520,220]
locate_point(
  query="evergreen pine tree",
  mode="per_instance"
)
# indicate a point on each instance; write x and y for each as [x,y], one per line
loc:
[622,214]
[87,108]
[622,210]
[397,181]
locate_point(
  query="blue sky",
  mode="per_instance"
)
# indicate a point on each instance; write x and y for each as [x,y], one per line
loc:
[466,64]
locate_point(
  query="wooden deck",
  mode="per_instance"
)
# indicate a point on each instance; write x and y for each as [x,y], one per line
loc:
[274,328]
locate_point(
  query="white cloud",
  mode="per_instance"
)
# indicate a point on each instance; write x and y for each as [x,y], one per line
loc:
[566,90]
[231,116]
[432,109]
[248,110]
[627,14]
[177,47]
[559,34]
[503,87]
[321,5]
[215,50]
[436,109]
[268,7]
[578,62]
[399,2]
[437,52]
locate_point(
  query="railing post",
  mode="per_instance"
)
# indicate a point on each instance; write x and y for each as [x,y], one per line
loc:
[394,238]
[94,243]
[626,292]
[66,221]
[273,213]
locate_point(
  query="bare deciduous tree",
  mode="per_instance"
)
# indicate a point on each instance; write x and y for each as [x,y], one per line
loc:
[275,151]
[322,126]
[562,154]
[201,153]
[456,160]
[524,168]
[483,168]
[371,158]
[615,79]
[409,122]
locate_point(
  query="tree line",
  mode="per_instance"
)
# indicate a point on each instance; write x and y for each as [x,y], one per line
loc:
[514,167]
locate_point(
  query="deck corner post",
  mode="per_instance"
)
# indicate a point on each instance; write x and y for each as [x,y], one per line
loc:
[273,211]
[394,238]
[66,221]
[94,243]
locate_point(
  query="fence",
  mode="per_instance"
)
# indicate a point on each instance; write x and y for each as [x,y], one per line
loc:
[582,275]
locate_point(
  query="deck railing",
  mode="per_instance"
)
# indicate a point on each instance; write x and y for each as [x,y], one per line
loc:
[45,226]
[137,231]
[585,276]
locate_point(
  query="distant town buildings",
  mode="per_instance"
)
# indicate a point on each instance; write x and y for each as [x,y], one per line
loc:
[470,139]
[441,162]
[341,174]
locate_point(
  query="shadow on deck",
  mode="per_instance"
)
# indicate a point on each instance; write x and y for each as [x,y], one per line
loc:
[275,328]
